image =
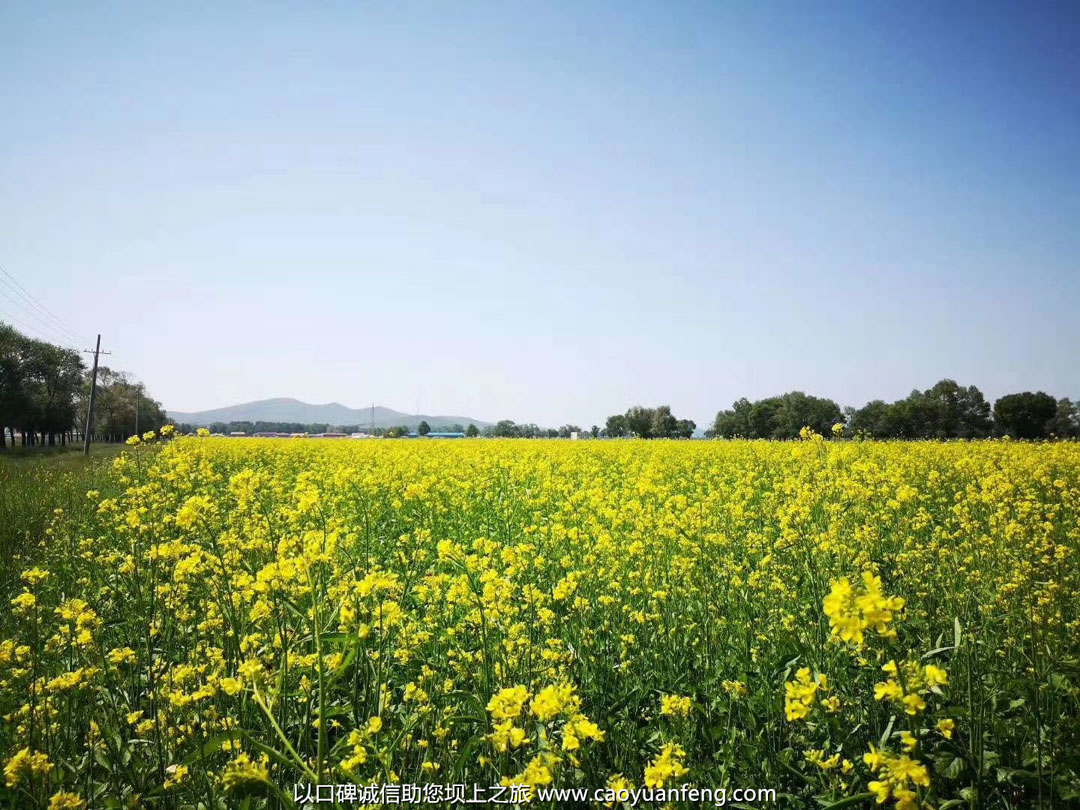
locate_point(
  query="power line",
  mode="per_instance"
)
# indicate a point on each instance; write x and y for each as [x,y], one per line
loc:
[25,294]
[66,335]
[36,332]
[31,331]
[51,332]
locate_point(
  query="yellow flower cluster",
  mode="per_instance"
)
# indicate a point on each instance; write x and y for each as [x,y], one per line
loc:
[550,703]
[800,694]
[66,801]
[852,611]
[245,773]
[908,684]
[508,703]
[25,765]
[897,775]
[667,767]
[675,706]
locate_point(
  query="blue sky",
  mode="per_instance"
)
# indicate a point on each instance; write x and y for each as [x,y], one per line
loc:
[549,212]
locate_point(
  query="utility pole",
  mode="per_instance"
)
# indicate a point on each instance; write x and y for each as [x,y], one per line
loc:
[88,428]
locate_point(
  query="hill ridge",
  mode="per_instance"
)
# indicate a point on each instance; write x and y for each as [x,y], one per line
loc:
[291,409]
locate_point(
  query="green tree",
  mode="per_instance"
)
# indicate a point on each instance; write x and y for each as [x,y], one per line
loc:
[424,428]
[119,397]
[763,419]
[796,410]
[945,411]
[648,423]
[869,420]
[684,428]
[505,429]
[472,431]
[664,423]
[616,427]
[780,417]
[51,378]
[639,422]
[12,395]
[734,422]
[1025,415]
[951,411]
[1066,421]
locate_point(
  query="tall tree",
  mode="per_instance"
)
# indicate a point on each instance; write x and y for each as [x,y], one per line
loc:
[639,421]
[505,429]
[1025,415]
[945,411]
[616,426]
[648,423]
[38,387]
[1066,421]
[664,424]
[779,417]
[951,411]
[12,402]
[869,420]
[52,379]
[684,428]
[734,422]
[118,400]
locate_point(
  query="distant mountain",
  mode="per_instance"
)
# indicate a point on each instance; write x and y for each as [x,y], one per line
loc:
[332,413]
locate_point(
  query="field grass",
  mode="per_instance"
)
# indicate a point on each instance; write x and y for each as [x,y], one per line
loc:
[33,484]
[852,624]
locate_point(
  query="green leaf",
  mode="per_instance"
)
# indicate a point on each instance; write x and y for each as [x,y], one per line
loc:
[949,766]
[888,733]
[850,801]
[466,755]
[935,651]
[211,746]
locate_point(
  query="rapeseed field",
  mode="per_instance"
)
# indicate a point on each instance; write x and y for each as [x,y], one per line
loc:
[852,624]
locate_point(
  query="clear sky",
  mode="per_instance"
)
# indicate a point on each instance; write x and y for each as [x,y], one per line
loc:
[549,212]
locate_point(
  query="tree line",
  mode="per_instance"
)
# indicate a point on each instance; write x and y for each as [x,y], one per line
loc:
[507,429]
[250,428]
[948,410]
[44,390]
[648,423]
[503,429]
